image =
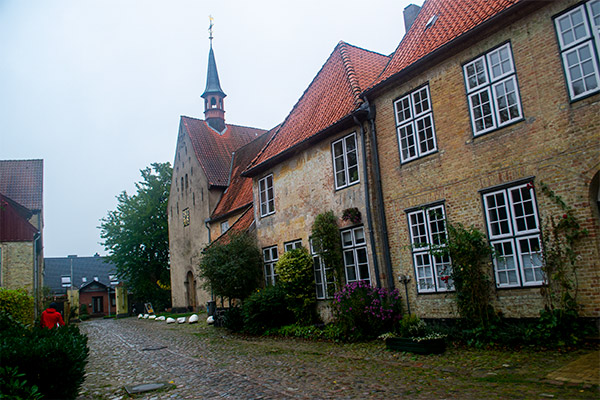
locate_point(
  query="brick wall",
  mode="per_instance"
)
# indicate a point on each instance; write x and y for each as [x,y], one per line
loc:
[557,143]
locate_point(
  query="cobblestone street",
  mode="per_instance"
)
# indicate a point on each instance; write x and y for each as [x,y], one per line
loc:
[208,363]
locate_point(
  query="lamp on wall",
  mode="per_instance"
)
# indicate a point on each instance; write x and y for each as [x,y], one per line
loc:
[405,279]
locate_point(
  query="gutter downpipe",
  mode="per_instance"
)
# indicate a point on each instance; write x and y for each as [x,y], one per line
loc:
[36,267]
[365,106]
[379,195]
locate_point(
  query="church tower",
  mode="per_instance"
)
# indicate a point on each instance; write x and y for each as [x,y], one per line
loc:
[214,111]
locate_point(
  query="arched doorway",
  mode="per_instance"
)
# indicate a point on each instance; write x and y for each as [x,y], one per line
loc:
[190,286]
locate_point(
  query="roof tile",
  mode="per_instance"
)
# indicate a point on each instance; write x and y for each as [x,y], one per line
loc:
[213,149]
[332,95]
[22,181]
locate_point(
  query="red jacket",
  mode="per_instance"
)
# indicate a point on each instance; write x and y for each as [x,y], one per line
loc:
[51,318]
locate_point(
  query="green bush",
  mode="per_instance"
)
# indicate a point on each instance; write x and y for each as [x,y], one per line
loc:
[233,319]
[18,304]
[295,272]
[51,359]
[14,386]
[412,326]
[363,312]
[266,309]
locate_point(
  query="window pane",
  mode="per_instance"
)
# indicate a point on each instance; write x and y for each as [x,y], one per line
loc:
[421,101]
[425,130]
[497,214]
[347,238]
[531,259]
[476,74]
[359,236]
[403,111]
[408,148]
[500,62]
[505,264]
[424,272]
[481,110]
[523,209]
[418,229]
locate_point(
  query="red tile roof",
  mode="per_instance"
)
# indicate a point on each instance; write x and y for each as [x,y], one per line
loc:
[213,150]
[239,192]
[243,224]
[454,18]
[14,224]
[332,95]
[22,181]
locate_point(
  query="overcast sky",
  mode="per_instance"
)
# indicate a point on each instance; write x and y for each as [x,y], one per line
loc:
[96,88]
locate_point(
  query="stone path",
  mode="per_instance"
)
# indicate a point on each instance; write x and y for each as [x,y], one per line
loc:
[126,352]
[204,362]
[585,369]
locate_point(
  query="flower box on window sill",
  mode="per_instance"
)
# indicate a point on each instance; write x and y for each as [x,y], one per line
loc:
[419,346]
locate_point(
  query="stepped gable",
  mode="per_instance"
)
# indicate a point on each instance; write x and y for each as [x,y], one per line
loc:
[213,149]
[239,191]
[438,23]
[332,95]
[22,182]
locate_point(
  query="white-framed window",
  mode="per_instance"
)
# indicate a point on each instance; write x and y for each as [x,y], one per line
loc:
[294,244]
[65,281]
[414,124]
[356,261]
[427,227]
[514,233]
[267,197]
[113,279]
[578,32]
[492,90]
[345,161]
[224,227]
[270,258]
[324,276]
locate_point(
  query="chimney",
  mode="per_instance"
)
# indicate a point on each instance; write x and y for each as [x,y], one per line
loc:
[410,15]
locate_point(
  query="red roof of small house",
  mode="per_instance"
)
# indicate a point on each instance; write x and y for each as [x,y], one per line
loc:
[243,224]
[439,23]
[22,181]
[14,224]
[239,192]
[332,95]
[213,149]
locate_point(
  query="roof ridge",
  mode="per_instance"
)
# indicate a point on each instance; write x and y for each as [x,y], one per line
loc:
[228,124]
[350,72]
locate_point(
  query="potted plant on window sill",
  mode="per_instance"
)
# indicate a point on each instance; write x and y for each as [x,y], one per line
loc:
[413,336]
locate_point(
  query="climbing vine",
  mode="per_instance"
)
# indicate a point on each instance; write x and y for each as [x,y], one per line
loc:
[327,244]
[561,235]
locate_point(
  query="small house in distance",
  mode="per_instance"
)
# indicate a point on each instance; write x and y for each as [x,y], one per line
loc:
[94,277]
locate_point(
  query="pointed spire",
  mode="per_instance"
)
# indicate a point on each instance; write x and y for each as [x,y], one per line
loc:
[214,110]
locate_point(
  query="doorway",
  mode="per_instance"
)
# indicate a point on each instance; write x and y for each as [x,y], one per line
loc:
[190,285]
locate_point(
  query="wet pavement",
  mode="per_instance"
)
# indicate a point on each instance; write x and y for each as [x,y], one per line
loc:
[203,362]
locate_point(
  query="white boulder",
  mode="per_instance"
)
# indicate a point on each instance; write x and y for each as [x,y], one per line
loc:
[140,316]
[181,320]
[170,320]
[193,318]
[146,316]
[210,320]
[161,318]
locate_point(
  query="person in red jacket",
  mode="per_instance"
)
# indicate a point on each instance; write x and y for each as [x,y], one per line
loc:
[52,318]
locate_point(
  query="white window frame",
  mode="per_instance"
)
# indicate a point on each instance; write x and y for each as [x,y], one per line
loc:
[324,276]
[576,38]
[345,161]
[353,250]
[496,87]
[65,281]
[520,222]
[415,128]
[270,258]
[294,244]
[427,228]
[224,227]
[266,195]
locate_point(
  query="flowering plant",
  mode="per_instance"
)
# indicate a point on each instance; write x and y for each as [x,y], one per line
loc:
[352,215]
[363,311]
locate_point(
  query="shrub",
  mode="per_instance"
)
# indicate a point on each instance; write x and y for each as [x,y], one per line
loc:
[52,359]
[363,312]
[14,386]
[18,304]
[295,272]
[412,326]
[233,319]
[232,270]
[327,244]
[266,309]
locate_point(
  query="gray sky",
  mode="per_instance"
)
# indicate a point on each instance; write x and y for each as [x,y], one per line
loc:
[96,87]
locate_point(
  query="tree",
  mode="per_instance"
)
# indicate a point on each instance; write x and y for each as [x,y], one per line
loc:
[136,236]
[296,275]
[232,270]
